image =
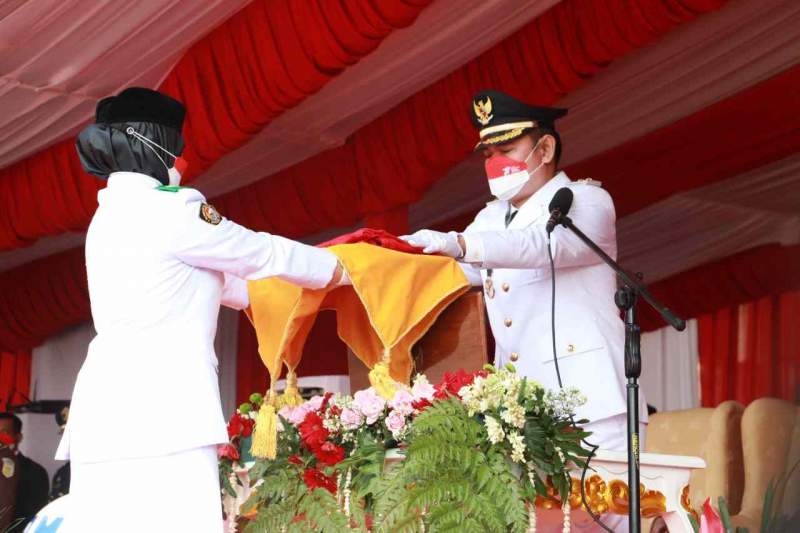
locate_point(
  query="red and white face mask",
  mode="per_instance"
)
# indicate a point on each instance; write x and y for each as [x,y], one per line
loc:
[507,176]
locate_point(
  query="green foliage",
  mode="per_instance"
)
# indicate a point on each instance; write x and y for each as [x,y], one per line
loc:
[451,479]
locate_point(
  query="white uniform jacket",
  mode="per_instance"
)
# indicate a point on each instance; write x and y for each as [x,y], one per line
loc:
[157,274]
[589,333]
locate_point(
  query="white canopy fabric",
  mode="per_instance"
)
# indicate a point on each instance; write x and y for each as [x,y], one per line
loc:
[58,57]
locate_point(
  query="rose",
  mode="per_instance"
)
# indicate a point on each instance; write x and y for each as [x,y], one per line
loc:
[395,422]
[312,431]
[314,479]
[228,451]
[351,419]
[402,402]
[329,453]
[369,404]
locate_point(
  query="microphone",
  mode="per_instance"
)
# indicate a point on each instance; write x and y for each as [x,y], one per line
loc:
[559,207]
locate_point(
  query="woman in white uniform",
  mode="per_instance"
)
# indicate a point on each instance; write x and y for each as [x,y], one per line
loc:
[146,416]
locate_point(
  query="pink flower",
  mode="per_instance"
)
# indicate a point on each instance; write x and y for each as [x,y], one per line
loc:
[402,402]
[351,419]
[395,422]
[422,390]
[314,403]
[369,404]
[295,415]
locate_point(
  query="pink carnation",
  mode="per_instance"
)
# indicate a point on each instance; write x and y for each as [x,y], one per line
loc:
[314,403]
[351,419]
[295,415]
[369,404]
[422,390]
[402,402]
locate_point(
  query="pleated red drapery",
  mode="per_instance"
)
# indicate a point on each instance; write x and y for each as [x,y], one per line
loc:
[15,377]
[262,61]
[751,350]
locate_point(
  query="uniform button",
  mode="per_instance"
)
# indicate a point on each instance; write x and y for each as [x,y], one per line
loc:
[508,322]
[514,357]
[506,286]
[570,348]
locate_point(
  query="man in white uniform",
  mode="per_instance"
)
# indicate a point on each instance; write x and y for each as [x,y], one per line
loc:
[146,416]
[505,250]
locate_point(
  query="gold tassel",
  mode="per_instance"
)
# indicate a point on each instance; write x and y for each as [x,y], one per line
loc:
[265,434]
[291,396]
[382,382]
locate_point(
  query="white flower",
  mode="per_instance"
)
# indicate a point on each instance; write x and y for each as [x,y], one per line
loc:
[517,447]
[494,429]
[514,415]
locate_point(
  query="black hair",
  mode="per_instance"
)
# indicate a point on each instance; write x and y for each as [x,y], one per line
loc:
[17,420]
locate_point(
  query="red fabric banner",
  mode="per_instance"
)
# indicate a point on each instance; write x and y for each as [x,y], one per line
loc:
[751,350]
[262,61]
[15,378]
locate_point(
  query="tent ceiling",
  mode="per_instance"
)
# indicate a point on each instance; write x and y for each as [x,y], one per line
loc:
[53,75]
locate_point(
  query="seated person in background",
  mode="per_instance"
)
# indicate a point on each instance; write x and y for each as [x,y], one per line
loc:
[33,484]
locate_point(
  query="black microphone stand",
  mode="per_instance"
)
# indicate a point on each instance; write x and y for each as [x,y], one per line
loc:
[625,298]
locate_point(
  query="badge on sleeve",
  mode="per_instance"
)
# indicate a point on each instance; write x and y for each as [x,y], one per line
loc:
[8,467]
[209,214]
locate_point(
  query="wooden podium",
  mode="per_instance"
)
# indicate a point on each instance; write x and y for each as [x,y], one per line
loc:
[458,339]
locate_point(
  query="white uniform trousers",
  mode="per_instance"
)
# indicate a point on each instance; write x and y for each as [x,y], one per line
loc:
[170,493]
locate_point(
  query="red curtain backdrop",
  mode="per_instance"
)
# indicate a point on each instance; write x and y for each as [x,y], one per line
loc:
[262,61]
[751,350]
[763,271]
[15,377]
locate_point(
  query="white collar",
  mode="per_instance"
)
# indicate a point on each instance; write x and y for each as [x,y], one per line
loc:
[132,179]
[536,206]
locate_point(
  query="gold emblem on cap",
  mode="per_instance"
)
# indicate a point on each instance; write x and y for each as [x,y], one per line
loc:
[483,110]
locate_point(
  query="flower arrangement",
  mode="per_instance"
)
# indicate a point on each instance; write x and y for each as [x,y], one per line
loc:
[478,449]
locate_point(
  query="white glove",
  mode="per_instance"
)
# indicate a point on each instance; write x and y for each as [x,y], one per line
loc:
[436,242]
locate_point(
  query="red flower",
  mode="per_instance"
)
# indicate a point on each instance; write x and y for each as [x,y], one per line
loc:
[228,451]
[312,431]
[240,426]
[295,459]
[421,404]
[6,439]
[315,479]
[453,382]
[329,453]
[235,426]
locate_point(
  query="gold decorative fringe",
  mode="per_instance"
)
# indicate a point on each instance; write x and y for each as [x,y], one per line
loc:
[291,396]
[382,382]
[265,434]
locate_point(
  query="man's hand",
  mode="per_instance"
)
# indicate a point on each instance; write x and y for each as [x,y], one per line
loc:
[435,242]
